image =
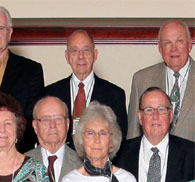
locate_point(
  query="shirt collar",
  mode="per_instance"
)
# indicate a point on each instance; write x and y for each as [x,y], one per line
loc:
[162,146]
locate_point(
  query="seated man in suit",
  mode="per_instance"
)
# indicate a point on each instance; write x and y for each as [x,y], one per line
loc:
[51,125]
[175,44]
[20,77]
[83,86]
[157,156]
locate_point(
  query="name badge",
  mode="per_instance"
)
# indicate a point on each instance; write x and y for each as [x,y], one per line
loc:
[75,123]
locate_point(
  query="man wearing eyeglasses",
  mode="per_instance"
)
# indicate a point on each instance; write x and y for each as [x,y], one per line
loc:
[20,77]
[175,75]
[157,156]
[84,86]
[51,124]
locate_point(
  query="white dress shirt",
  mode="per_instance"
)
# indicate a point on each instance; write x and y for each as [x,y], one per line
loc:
[88,82]
[146,153]
[58,162]
[182,81]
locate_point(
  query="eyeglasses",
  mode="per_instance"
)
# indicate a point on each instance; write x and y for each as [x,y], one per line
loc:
[76,51]
[150,110]
[90,134]
[58,119]
[3,29]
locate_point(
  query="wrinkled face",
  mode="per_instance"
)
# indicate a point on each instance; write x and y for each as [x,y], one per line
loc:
[50,133]
[81,54]
[7,129]
[5,32]
[174,45]
[97,147]
[155,126]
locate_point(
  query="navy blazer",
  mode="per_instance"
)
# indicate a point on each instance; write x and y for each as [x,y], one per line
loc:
[103,91]
[23,78]
[180,164]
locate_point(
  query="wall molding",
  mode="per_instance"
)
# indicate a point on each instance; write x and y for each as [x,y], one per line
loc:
[55,31]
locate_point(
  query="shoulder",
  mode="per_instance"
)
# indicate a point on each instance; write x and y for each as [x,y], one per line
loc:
[107,85]
[150,69]
[60,83]
[125,176]
[23,60]
[72,154]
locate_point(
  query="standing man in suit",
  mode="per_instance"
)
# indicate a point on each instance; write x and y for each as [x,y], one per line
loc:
[51,124]
[175,44]
[81,55]
[173,156]
[20,77]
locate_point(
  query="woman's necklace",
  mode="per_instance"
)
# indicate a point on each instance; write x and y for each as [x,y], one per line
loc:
[13,173]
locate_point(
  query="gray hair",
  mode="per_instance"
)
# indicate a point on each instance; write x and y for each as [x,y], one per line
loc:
[44,98]
[182,23]
[7,14]
[91,114]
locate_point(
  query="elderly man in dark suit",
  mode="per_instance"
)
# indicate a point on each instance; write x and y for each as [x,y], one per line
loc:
[20,77]
[81,55]
[157,156]
[51,124]
[175,44]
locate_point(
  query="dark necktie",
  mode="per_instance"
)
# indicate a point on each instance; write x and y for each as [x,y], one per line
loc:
[95,171]
[175,97]
[154,172]
[79,101]
[51,173]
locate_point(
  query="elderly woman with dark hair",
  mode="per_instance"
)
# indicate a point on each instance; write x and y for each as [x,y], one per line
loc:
[14,166]
[97,139]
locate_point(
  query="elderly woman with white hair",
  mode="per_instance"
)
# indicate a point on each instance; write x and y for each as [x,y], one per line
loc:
[97,139]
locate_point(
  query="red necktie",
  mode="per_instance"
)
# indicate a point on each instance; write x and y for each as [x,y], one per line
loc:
[79,101]
[51,168]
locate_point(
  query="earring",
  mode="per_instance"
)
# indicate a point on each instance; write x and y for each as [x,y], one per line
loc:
[16,140]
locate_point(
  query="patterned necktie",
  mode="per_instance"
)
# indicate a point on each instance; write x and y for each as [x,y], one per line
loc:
[175,97]
[154,172]
[79,101]
[51,173]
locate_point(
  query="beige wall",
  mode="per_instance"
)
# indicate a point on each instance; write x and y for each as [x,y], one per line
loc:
[116,63]
[100,8]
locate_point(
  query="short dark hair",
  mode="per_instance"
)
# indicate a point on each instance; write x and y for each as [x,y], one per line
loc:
[9,103]
[151,89]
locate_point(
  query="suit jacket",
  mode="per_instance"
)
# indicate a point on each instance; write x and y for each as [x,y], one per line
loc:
[180,162]
[23,78]
[103,91]
[156,76]
[71,160]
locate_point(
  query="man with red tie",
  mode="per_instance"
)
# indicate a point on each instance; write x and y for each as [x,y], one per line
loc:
[84,85]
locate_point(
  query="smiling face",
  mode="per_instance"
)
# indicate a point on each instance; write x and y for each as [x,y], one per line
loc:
[50,135]
[81,54]
[5,33]
[7,130]
[155,126]
[97,148]
[174,45]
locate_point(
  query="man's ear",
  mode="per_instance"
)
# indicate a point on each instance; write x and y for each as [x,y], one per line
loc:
[66,56]
[34,124]
[139,114]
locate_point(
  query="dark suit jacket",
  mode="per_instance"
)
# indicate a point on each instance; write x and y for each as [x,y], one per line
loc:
[180,163]
[71,160]
[103,91]
[23,78]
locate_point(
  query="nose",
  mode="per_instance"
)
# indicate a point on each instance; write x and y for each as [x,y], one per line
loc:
[2,128]
[173,46]
[52,123]
[81,54]
[155,114]
[97,138]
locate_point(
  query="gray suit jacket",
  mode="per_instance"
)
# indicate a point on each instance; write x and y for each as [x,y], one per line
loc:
[156,76]
[71,160]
